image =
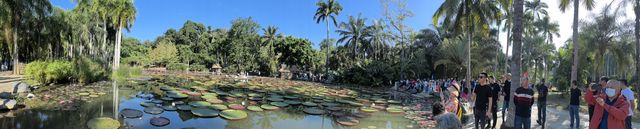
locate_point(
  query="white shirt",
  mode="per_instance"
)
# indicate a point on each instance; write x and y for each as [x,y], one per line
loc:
[627,93]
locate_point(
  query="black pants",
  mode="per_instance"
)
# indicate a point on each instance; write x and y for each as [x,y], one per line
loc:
[494,117]
[480,118]
[627,122]
[542,112]
[590,112]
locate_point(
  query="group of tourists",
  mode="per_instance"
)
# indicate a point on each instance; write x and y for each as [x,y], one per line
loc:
[610,102]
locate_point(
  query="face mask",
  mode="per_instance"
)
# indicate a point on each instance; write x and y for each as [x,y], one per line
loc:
[610,92]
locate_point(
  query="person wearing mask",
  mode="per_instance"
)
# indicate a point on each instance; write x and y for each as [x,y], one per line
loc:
[610,109]
[523,100]
[574,105]
[543,91]
[596,90]
[506,91]
[495,91]
[628,94]
[445,119]
[483,99]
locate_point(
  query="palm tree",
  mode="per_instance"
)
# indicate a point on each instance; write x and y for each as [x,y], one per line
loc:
[12,14]
[270,36]
[377,38]
[326,10]
[123,15]
[467,16]
[549,29]
[516,62]
[353,34]
[536,8]
[564,4]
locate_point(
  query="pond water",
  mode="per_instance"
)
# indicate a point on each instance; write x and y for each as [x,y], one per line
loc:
[288,117]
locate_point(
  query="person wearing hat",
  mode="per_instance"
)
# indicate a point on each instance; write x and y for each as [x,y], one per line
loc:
[453,104]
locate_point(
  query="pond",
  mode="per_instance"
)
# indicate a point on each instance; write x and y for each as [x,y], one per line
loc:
[219,104]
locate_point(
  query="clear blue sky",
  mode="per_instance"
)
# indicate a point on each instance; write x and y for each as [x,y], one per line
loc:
[292,17]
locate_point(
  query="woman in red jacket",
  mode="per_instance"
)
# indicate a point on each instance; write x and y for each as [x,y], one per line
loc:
[611,109]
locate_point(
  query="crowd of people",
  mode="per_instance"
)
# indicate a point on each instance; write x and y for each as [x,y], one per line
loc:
[610,102]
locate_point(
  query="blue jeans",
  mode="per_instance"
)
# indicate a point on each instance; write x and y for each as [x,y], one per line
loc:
[574,115]
[522,123]
[505,106]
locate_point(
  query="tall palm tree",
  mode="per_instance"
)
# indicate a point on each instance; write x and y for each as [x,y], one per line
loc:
[12,14]
[377,38]
[467,16]
[270,36]
[548,29]
[353,34]
[564,4]
[516,62]
[123,16]
[536,8]
[327,9]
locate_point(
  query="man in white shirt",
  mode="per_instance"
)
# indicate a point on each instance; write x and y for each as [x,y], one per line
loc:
[628,94]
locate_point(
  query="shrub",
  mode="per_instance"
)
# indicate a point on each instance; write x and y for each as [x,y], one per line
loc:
[177,66]
[88,71]
[197,67]
[126,71]
[34,72]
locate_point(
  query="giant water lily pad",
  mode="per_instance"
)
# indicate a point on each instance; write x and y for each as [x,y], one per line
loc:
[147,104]
[329,104]
[233,114]
[310,104]
[254,108]
[292,102]
[279,104]
[219,107]
[178,96]
[167,98]
[159,121]
[184,107]
[313,111]
[275,99]
[215,101]
[103,123]
[204,112]
[393,102]
[347,121]
[83,94]
[156,101]
[394,110]
[236,106]
[153,110]
[361,115]
[199,104]
[169,108]
[268,107]
[368,109]
[334,108]
[130,113]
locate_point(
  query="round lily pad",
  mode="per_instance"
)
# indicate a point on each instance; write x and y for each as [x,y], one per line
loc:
[156,101]
[347,121]
[169,108]
[329,104]
[313,111]
[153,110]
[368,109]
[184,107]
[159,121]
[94,95]
[130,113]
[279,104]
[275,99]
[268,107]
[167,98]
[147,104]
[255,98]
[178,102]
[310,104]
[334,108]
[236,106]
[254,108]
[219,107]
[178,96]
[204,112]
[83,94]
[292,102]
[215,101]
[199,104]
[361,115]
[393,102]
[103,123]
[291,97]
[394,110]
[233,114]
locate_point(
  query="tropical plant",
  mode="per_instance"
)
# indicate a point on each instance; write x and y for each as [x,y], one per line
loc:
[564,5]
[123,16]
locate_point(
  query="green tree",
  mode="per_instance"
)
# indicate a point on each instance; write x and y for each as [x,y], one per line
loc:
[270,36]
[353,34]
[327,9]
[164,53]
[564,5]
[536,8]
[243,44]
[123,16]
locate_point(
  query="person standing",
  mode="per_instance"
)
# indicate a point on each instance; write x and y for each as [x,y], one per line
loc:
[574,105]
[495,90]
[482,98]
[523,100]
[506,91]
[596,90]
[628,94]
[543,91]
[610,110]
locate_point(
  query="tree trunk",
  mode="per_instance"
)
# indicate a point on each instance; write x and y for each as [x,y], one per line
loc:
[576,46]
[116,51]
[516,61]
[326,60]
[104,41]
[636,10]
[468,78]
[506,55]
[15,50]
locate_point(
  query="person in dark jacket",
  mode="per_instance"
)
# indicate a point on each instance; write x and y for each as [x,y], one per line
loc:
[506,92]
[483,99]
[495,91]
[523,100]
[574,105]
[543,91]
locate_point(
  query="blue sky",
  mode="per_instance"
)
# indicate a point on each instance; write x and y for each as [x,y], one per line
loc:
[292,17]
